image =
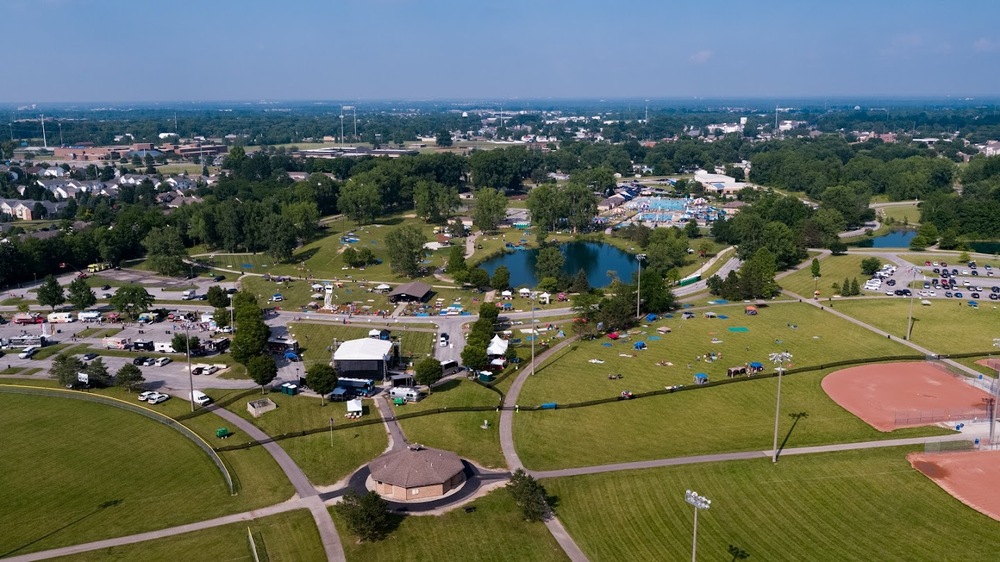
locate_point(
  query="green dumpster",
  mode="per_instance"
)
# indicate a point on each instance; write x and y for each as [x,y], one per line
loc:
[399,401]
[222,432]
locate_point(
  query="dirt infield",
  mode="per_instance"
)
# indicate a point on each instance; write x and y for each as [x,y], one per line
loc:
[967,476]
[892,395]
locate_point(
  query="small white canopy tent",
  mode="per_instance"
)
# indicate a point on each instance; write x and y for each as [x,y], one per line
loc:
[354,406]
[374,333]
[506,294]
[524,292]
[498,346]
[544,298]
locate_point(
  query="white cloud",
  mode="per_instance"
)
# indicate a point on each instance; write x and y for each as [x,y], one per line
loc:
[701,57]
[985,45]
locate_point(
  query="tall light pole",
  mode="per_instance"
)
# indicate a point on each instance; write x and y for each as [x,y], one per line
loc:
[638,292]
[699,502]
[187,346]
[909,321]
[780,359]
[533,334]
[996,394]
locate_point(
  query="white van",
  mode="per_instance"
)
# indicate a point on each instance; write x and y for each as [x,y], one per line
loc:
[200,397]
[28,352]
[162,361]
[163,347]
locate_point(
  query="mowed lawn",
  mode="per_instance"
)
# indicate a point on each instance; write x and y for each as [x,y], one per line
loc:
[316,339]
[946,326]
[77,471]
[856,505]
[832,269]
[494,532]
[324,463]
[289,537]
[460,432]
[902,214]
[733,417]
[812,336]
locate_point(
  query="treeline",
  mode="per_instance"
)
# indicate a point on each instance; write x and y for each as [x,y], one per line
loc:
[973,215]
[813,165]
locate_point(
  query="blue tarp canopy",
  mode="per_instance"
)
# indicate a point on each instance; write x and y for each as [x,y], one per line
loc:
[701,376]
[650,317]
[756,365]
[639,345]
[973,303]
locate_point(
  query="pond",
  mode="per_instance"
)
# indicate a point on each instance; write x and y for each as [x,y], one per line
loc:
[895,239]
[594,258]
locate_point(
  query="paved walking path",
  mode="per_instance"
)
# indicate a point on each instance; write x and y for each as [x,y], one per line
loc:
[162,533]
[397,441]
[744,455]
[555,526]
[303,487]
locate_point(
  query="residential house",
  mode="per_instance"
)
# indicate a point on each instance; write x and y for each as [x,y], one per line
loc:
[53,172]
[24,209]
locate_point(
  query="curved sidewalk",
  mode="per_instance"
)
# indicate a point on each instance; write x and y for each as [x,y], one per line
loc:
[553,524]
[303,487]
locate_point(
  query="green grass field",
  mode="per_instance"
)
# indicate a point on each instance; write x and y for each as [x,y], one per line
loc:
[288,537]
[495,532]
[857,505]
[734,417]
[818,337]
[460,432]
[352,447]
[833,269]
[97,472]
[908,214]
[946,326]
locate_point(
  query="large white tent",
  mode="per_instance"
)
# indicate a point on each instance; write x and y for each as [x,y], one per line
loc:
[498,346]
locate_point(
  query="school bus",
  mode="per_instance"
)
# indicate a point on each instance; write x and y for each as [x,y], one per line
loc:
[95,267]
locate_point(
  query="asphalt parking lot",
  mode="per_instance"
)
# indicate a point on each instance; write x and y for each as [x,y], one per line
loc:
[986,286]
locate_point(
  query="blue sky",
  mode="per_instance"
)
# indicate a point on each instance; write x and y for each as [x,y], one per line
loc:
[116,50]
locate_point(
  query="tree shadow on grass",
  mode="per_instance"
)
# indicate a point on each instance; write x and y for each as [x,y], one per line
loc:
[796,417]
[98,509]
[446,386]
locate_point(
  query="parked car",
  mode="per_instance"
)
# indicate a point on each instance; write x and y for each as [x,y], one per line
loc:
[105,287]
[218,278]
[140,361]
[974,295]
[163,361]
[210,370]
[948,294]
[143,396]
[158,398]
[959,295]
[89,357]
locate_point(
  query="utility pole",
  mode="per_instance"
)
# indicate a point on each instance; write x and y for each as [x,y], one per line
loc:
[45,142]
[638,292]
[187,346]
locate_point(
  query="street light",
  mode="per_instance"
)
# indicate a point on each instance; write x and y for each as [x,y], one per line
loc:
[780,359]
[699,502]
[639,258]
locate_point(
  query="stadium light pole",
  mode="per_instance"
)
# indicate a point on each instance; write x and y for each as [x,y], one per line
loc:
[779,358]
[638,292]
[996,394]
[699,502]
[909,321]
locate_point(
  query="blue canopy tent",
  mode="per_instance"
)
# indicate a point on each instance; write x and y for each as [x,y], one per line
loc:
[756,367]
[639,345]
[700,378]
[650,317]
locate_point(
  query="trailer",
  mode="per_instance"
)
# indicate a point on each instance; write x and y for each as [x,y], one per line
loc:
[163,347]
[89,316]
[26,340]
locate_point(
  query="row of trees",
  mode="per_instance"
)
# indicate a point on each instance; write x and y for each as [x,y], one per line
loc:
[67,369]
